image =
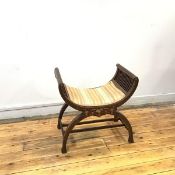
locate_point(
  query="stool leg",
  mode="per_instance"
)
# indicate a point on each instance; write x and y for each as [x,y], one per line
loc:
[76,120]
[61,114]
[116,118]
[125,121]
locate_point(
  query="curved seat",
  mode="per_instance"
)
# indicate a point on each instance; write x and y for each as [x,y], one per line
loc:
[103,95]
[116,92]
[97,101]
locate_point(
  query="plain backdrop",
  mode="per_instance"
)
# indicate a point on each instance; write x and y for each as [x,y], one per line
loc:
[85,39]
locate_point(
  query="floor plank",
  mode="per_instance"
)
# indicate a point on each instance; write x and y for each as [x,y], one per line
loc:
[160,167]
[61,166]
[33,147]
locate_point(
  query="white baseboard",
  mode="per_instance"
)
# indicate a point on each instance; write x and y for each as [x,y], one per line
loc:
[151,99]
[53,108]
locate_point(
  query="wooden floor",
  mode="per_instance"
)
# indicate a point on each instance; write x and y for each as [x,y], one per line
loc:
[33,147]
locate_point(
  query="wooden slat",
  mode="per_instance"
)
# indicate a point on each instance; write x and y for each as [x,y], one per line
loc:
[54,120]
[24,134]
[108,135]
[76,165]
[33,147]
[28,126]
[160,167]
[39,150]
[169,172]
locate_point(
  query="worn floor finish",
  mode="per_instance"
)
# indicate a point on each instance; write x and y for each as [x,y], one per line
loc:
[33,147]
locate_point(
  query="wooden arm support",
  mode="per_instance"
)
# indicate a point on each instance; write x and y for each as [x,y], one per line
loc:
[125,79]
[58,76]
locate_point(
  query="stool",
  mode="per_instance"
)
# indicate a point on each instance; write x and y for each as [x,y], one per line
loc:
[97,102]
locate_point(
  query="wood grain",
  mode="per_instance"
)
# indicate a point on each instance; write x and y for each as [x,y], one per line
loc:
[33,147]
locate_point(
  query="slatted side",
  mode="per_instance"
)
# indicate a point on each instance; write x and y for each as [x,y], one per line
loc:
[124,80]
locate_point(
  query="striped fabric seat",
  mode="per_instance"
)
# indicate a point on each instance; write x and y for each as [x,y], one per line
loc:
[102,95]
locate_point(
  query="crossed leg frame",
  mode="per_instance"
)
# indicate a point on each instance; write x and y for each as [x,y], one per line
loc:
[77,121]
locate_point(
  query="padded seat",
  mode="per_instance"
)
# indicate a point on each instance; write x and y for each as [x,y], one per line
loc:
[103,95]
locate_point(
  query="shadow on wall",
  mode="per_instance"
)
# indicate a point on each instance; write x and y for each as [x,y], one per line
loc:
[162,79]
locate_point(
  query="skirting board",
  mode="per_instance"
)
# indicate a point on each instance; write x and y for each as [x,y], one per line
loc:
[54,108]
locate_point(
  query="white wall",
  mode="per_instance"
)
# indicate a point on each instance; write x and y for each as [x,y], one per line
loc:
[85,39]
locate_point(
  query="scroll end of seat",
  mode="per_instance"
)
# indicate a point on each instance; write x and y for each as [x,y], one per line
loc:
[125,79]
[136,79]
[58,75]
[117,65]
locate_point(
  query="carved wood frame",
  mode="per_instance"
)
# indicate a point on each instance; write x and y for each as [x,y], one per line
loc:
[124,80]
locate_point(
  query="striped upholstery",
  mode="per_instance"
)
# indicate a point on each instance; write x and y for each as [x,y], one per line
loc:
[102,95]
